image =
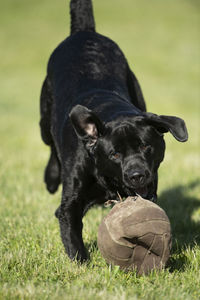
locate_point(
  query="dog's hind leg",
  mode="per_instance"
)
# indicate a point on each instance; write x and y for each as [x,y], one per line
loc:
[52,176]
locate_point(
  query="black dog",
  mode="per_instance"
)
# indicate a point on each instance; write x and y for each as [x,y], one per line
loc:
[93,117]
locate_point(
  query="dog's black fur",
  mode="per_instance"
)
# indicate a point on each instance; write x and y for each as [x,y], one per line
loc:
[93,117]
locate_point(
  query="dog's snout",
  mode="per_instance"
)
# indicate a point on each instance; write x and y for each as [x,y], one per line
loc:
[138,177]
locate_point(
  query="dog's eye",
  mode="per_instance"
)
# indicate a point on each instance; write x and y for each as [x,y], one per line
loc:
[144,148]
[115,155]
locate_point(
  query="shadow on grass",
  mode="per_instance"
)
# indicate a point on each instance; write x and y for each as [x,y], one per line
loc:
[180,207]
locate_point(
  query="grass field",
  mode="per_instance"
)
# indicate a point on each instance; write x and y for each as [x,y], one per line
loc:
[162,44]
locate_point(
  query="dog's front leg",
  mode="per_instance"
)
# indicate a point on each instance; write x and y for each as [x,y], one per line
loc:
[70,218]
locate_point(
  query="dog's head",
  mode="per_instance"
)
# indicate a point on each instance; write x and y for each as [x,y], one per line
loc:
[128,151]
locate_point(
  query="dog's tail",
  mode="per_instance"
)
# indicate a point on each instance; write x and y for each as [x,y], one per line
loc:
[82,18]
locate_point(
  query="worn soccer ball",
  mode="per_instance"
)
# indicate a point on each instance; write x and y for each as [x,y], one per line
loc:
[135,235]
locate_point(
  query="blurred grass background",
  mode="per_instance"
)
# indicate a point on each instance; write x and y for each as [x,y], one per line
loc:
[162,44]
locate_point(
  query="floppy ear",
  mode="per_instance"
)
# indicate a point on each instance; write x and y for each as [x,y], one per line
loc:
[87,125]
[176,126]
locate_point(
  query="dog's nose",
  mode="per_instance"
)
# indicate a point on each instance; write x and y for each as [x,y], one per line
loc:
[138,177]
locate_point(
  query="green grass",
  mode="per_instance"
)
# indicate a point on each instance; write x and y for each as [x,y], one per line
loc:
[161,42]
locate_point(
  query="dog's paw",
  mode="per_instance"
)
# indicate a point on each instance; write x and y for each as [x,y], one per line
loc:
[52,187]
[52,179]
[79,256]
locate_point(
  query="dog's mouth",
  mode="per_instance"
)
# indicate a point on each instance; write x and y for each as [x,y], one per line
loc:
[142,191]
[145,193]
[126,190]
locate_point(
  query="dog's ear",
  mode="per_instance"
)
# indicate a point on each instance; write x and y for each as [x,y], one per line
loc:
[176,126]
[87,125]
